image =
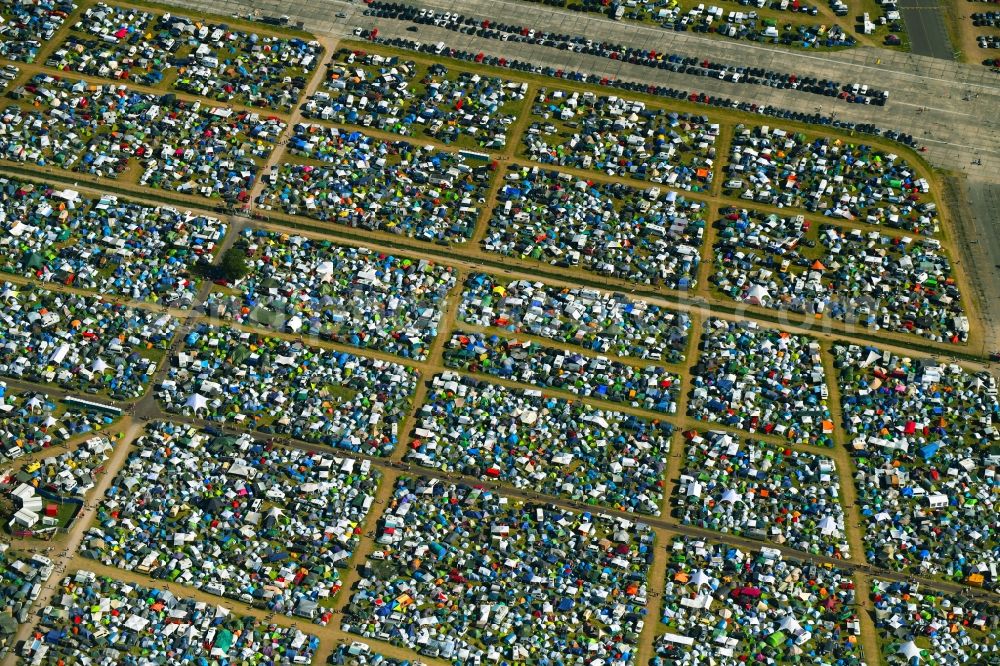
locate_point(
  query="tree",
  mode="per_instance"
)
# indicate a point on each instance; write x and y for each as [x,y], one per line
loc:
[7,508]
[233,265]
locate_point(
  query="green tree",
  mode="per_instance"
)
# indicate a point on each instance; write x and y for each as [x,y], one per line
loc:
[233,265]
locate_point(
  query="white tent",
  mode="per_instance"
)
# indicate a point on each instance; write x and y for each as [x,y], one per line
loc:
[325,271]
[828,525]
[790,624]
[49,422]
[196,401]
[34,404]
[758,295]
[99,365]
[909,650]
[730,496]
[699,578]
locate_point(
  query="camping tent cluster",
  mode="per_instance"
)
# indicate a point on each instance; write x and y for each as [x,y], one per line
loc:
[361,297]
[729,605]
[274,385]
[29,25]
[647,386]
[410,99]
[763,491]
[357,180]
[99,620]
[104,244]
[80,343]
[235,517]
[853,181]
[469,573]
[541,443]
[949,629]
[761,380]
[98,130]
[211,60]
[926,445]
[606,322]
[621,137]
[881,281]
[645,236]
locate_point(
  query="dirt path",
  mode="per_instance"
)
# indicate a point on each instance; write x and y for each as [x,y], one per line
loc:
[431,366]
[853,521]
[655,582]
[70,542]
[658,572]
[329,48]
[845,464]
[520,270]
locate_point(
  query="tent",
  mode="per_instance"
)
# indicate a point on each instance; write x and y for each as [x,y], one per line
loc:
[325,271]
[730,496]
[909,650]
[699,578]
[790,624]
[196,401]
[828,525]
[758,295]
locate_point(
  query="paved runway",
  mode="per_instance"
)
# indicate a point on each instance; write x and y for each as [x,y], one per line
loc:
[925,27]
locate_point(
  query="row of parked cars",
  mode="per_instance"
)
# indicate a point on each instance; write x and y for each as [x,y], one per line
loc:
[580,44]
[645,88]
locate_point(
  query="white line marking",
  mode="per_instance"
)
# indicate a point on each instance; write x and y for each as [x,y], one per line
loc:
[934,108]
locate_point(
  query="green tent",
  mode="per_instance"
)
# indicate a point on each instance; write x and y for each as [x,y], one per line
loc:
[224,640]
